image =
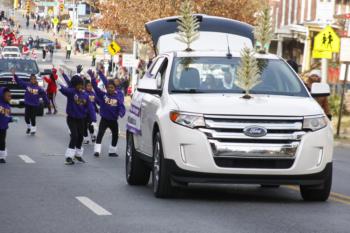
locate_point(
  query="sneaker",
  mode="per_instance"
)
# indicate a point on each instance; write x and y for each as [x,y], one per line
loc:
[97,154]
[93,138]
[32,133]
[55,112]
[49,113]
[113,155]
[2,161]
[69,161]
[28,131]
[79,159]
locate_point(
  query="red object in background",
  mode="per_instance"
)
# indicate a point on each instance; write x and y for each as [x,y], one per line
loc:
[25,50]
[333,75]
[129,92]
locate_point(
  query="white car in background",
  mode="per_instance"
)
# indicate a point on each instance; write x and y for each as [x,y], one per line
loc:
[186,127]
[11,52]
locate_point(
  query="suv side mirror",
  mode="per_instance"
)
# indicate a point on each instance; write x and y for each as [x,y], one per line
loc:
[320,89]
[149,85]
[159,81]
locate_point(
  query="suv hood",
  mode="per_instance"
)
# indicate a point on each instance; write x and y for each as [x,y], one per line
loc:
[260,105]
[8,74]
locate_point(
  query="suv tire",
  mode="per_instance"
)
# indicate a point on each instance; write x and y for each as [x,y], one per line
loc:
[319,192]
[162,187]
[136,171]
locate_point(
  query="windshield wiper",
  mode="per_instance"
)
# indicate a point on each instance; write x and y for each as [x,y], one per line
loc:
[191,91]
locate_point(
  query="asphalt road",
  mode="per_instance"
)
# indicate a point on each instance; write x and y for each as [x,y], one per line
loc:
[39,194]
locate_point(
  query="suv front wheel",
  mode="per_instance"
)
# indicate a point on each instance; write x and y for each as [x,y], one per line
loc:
[137,172]
[160,175]
[319,192]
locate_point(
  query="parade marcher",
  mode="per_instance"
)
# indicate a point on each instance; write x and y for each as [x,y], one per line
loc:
[104,79]
[315,77]
[32,98]
[89,127]
[44,53]
[25,50]
[78,106]
[5,119]
[52,90]
[111,108]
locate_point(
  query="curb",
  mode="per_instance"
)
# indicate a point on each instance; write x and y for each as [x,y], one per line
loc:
[342,144]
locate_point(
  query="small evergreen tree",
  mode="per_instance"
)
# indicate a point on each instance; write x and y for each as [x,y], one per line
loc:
[248,73]
[263,32]
[188,25]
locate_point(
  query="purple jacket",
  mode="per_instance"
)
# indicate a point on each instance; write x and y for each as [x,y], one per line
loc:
[33,93]
[5,111]
[111,106]
[93,99]
[78,104]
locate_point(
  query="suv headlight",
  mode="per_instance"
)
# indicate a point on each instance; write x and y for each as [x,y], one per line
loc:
[315,123]
[187,119]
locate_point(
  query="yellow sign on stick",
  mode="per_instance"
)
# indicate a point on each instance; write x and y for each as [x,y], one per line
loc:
[70,24]
[113,48]
[327,41]
[55,21]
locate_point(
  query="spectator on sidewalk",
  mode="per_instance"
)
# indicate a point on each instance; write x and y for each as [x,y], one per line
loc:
[93,63]
[315,77]
[68,51]
[51,51]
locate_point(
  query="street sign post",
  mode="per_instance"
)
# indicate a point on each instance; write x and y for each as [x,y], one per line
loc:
[326,42]
[113,48]
[345,59]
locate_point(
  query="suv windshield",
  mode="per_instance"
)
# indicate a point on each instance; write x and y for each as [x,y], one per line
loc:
[218,75]
[21,66]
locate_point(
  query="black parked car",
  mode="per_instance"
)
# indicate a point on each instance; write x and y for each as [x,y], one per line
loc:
[24,68]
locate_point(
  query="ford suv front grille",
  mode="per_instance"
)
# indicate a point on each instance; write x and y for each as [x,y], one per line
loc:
[254,142]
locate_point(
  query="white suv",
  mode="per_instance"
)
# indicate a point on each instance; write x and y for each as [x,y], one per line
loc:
[188,122]
[11,52]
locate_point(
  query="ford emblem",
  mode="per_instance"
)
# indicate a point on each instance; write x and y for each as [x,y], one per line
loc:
[255,131]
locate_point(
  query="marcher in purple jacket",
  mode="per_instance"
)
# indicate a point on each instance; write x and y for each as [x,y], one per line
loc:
[5,119]
[89,127]
[111,108]
[32,102]
[78,105]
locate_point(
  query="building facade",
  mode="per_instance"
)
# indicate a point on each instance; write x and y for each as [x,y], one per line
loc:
[296,22]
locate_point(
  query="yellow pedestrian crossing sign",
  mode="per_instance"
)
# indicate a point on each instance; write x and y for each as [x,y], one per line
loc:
[326,42]
[113,48]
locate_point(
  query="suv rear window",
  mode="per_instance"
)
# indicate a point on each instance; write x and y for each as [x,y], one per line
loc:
[21,66]
[218,74]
